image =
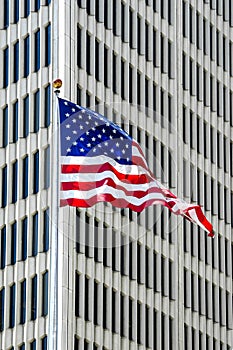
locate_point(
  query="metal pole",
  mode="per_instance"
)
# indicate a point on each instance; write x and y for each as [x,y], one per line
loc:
[53,301]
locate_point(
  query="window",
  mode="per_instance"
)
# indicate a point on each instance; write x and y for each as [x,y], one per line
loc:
[26,116]
[16,11]
[44,342]
[46,231]
[35,234]
[3,247]
[24,229]
[14,181]
[15,121]
[25,178]
[2,301]
[34,298]
[5,67]
[48,45]
[26,8]
[37,5]
[77,293]
[33,345]
[36,172]
[26,55]
[37,50]
[5,127]
[6,13]
[45,294]
[16,62]
[12,307]
[47,167]
[4,186]
[86,305]
[13,242]
[47,105]
[97,61]
[36,111]
[23,301]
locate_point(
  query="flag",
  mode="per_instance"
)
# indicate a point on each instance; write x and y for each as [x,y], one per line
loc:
[100,162]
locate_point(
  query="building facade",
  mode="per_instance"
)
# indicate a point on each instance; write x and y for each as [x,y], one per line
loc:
[163,71]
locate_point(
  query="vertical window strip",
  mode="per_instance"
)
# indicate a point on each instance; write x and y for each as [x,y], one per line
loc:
[46,231]
[36,111]
[12,307]
[26,8]
[23,301]
[45,294]
[25,177]
[47,105]
[35,234]
[5,127]
[26,116]
[6,13]
[16,62]
[4,186]
[24,229]
[34,298]
[3,247]
[14,181]
[36,172]
[47,167]
[37,50]
[6,67]
[16,11]
[2,308]
[15,121]
[44,343]
[13,242]
[48,45]
[26,56]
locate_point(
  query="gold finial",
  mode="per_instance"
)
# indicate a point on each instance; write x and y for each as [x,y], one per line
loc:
[57,84]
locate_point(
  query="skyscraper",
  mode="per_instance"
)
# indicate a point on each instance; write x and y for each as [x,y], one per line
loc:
[163,71]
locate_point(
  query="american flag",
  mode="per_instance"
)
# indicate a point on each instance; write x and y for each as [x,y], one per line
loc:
[100,162]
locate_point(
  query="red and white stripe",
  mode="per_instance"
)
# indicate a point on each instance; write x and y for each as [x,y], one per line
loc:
[86,181]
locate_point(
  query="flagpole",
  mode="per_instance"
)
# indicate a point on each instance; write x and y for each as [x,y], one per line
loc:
[53,322]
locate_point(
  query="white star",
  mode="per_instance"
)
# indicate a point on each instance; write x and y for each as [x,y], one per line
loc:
[75,143]
[87,122]
[103,131]
[107,124]
[119,157]
[123,151]
[65,103]
[127,146]
[73,109]
[68,138]
[93,139]
[117,144]
[112,150]
[87,133]
[83,111]
[111,137]
[82,150]
[81,138]
[121,138]
[114,131]
[80,117]
[74,132]
[67,115]
[99,136]
[89,145]
[94,149]
[106,143]
[93,128]
[89,117]
[80,127]
[68,150]
[67,126]
[127,159]
[74,120]
[96,123]
[99,146]
[106,153]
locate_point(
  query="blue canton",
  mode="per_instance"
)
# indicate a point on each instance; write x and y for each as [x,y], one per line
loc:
[87,133]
